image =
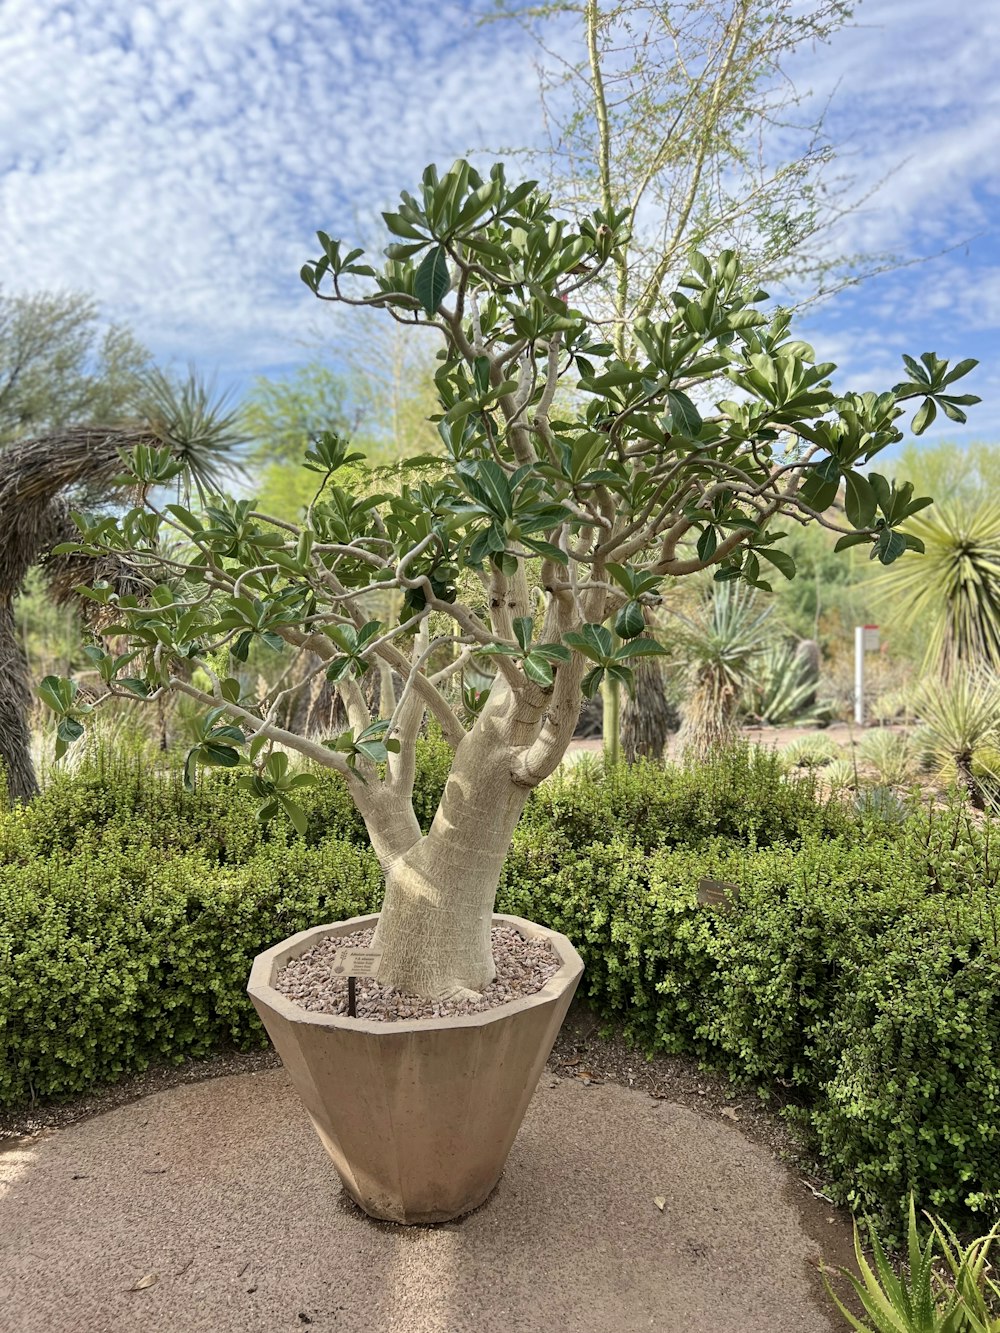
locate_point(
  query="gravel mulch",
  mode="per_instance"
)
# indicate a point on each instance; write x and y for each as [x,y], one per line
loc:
[523,967]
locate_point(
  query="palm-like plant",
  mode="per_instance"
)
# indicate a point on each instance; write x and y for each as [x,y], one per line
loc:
[40,481]
[961,726]
[953,593]
[719,645]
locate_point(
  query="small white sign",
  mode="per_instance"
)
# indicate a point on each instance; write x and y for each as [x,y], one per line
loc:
[870,638]
[356,963]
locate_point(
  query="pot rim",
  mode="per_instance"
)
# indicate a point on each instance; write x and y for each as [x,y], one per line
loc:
[266,965]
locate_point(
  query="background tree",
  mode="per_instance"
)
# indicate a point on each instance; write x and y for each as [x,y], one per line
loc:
[59,367]
[683,115]
[569,523]
[367,383]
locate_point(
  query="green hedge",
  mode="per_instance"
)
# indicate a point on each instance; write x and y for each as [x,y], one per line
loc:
[860,966]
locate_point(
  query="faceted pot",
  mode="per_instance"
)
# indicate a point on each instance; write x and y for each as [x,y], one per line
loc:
[418,1115]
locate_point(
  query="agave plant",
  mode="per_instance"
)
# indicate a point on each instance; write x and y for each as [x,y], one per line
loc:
[782,687]
[953,593]
[719,646]
[921,1301]
[961,727]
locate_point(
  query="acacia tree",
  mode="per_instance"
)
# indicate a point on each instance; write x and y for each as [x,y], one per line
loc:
[683,114]
[59,369]
[569,522]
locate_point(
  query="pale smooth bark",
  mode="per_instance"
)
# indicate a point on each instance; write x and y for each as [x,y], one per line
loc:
[434,926]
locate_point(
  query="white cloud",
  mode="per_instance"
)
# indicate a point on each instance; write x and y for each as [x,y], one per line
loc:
[175,157]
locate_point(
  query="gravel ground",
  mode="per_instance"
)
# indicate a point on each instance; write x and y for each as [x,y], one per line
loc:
[523,967]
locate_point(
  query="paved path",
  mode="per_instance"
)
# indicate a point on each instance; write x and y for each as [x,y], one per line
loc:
[222,1191]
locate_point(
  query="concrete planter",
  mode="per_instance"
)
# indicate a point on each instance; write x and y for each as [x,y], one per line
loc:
[419,1115]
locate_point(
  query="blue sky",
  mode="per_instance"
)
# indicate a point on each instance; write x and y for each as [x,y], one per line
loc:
[175,157]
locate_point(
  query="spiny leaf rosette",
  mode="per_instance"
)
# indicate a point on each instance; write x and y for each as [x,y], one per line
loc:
[570,486]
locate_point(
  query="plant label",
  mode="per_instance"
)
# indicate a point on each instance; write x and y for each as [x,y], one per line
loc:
[717,893]
[356,963]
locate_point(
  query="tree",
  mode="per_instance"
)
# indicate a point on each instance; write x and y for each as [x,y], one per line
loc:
[180,426]
[570,524]
[719,646]
[57,368]
[682,115]
[284,416]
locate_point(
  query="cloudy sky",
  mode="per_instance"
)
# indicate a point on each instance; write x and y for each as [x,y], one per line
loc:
[175,157]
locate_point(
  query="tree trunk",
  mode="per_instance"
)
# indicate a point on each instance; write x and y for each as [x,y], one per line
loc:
[15,709]
[648,717]
[710,718]
[434,926]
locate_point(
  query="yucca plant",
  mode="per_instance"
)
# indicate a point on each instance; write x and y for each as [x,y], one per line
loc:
[961,727]
[719,645]
[953,593]
[841,775]
[196,438]
[923,1300]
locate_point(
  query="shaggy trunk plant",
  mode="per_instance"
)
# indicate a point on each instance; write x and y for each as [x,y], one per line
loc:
[531,543]
[37,475]
[719,648]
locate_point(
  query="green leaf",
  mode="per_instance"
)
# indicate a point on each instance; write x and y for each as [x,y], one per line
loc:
[593,641]
[487,482]
[684,415]
[224,756]
[538,670]
[852,539]
[639,648]
[57,693]
[552,652]
[780,559]
[432,279]
[134,686]
[522,630]
[69,730]
[859,500]
[924,417]
[591,682]
[630,621]
[890,546]
[707,544]
[296,814]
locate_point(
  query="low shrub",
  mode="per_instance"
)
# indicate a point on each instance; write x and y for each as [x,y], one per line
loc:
[115,956]
[742,793]
[858,966]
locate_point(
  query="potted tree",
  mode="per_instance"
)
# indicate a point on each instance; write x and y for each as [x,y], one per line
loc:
[571,484]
